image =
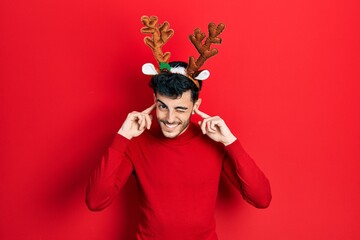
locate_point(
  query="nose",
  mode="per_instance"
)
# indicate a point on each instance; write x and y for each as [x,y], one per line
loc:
[170,117]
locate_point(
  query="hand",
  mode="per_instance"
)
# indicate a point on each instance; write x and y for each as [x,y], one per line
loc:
[136,123]
[215,128]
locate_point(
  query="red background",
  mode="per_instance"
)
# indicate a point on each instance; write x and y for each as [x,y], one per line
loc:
[286,81]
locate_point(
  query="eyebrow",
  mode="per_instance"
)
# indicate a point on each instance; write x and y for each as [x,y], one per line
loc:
[178,107]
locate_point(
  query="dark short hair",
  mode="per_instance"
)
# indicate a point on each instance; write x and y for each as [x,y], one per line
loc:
[174,84]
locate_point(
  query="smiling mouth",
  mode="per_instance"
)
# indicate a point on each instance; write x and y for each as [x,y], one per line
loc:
[170,125]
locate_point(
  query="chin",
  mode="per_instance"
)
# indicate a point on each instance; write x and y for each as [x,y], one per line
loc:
[170,134]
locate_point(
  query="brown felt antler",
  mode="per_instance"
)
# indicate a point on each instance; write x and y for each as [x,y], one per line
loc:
[204,49]
[160,35]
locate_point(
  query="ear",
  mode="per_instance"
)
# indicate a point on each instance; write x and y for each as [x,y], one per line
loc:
[203,75]
[149,69]
[197,104]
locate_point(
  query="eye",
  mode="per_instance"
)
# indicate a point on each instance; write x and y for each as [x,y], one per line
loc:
[162,107]
[181,110]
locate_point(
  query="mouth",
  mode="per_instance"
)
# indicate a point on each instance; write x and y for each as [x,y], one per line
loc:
[170,125]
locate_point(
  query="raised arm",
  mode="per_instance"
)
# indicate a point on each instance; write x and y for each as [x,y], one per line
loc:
[238,166]
[115,166]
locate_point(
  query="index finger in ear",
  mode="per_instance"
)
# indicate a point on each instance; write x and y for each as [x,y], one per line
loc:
[201,114]
[149,109]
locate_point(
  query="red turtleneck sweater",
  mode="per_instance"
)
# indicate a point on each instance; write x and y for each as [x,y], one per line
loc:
[178,181]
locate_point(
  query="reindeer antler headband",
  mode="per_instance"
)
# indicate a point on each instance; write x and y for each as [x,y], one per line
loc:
[161,34]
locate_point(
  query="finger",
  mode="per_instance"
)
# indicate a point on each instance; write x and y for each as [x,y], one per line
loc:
[141,122]
[211,126]
[133,116]
[217,124]
[148,121]
[203,126]
[149,109]
[200,113]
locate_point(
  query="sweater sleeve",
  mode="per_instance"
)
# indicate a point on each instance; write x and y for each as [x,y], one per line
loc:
[110,176]
[246,176]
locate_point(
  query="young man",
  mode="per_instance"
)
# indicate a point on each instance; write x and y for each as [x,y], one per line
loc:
[177,164]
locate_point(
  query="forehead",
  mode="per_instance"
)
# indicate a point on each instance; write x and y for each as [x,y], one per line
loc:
[184,100]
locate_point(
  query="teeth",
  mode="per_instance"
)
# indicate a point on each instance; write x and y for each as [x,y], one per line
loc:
[170,125]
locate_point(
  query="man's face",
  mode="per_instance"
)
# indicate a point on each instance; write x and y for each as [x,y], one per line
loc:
[173,115]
